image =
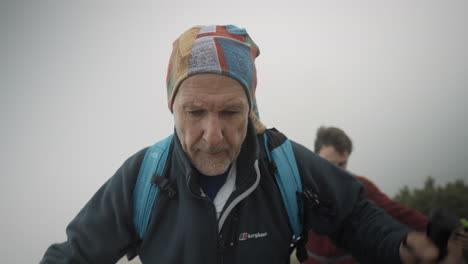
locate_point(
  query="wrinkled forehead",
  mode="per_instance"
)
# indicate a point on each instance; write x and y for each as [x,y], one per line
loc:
[198,103]
[212,86]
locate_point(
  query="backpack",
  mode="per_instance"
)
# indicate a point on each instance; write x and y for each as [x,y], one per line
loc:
[281,159]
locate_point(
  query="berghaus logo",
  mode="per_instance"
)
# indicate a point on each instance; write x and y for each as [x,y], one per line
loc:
[245,236]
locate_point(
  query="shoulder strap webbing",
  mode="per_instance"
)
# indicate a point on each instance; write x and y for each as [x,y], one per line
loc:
[286,175]
[288,179]
[145,192]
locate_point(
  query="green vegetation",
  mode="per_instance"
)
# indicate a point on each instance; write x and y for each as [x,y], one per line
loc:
[464,223]
[452,197]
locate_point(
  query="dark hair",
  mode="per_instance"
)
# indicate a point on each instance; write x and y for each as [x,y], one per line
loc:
[333,136]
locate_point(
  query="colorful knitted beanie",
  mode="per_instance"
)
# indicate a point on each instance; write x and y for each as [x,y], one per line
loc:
[226,50]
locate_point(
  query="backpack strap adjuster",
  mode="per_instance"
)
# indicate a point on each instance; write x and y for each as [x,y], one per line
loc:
[165,185]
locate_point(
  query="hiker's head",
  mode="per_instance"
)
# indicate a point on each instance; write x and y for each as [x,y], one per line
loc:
[211,85]
[334,145]
[211,115]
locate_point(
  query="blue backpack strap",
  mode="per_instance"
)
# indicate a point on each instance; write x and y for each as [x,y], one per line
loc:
[145,192]
[289,181]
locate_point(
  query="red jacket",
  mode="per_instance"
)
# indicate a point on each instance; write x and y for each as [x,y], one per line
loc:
[323,246]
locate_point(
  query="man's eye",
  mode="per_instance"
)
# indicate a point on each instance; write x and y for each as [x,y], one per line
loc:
[229,113]
[195,112]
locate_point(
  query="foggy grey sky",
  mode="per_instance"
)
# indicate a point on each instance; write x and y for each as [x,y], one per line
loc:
[83,88]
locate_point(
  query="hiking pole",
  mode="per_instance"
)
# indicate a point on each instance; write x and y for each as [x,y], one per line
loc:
[441,226]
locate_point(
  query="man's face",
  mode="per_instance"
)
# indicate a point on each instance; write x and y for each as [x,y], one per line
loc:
[329,152]
[211,115]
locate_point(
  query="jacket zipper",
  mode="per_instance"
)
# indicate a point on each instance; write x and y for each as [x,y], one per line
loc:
[224,214]
[219,236]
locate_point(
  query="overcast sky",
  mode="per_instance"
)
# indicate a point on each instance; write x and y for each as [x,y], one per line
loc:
[83,88]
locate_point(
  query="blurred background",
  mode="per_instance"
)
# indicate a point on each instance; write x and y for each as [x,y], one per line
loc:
[83,88]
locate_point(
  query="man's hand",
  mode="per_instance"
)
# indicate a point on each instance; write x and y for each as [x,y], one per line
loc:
[460,237]
[455,247]
[418,248]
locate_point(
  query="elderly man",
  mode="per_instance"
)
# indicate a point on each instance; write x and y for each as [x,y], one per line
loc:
[218,200]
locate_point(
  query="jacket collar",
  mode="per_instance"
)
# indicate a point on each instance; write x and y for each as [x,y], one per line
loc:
[182,167]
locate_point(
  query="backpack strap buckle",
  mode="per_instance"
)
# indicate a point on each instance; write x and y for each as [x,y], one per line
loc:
[165,185]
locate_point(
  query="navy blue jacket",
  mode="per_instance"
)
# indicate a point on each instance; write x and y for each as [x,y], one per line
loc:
[252,228]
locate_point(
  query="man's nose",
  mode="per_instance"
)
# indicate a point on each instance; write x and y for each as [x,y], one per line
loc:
[213,133]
